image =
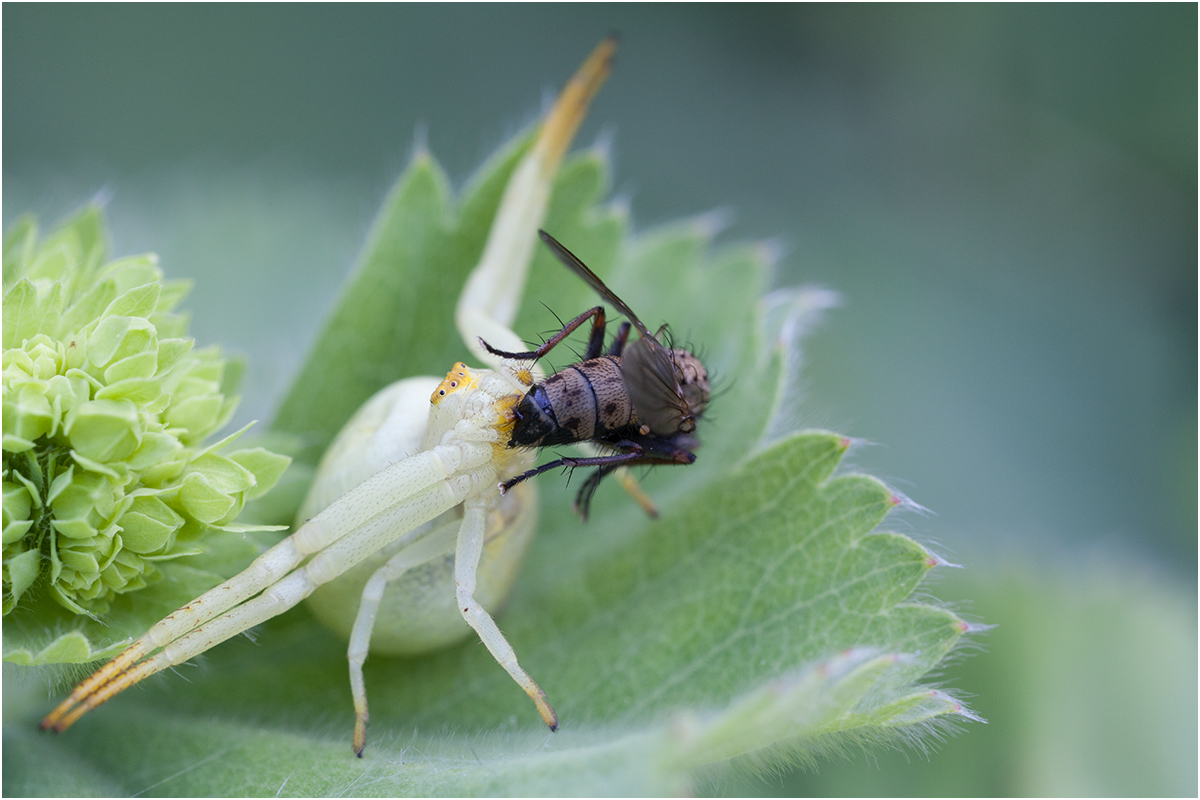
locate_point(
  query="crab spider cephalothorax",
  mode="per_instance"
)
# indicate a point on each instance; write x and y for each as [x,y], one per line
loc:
[415,512]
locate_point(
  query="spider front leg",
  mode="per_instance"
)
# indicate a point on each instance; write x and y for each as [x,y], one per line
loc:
[387,506]
[490,300]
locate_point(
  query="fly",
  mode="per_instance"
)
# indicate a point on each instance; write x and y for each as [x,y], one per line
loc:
[639,402]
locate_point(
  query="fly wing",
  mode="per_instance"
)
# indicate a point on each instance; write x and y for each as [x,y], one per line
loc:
[573,263]
[653,384]
[649,371]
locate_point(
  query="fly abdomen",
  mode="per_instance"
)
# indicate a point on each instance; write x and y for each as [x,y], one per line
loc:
[607,399]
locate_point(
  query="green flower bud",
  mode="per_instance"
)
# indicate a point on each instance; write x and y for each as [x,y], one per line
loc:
[199,413]
[21,569]
[105,430]
[106,403]
[149,525]
[116,338]
[203,500]
[84,505]
[17,505]
[27,415]
[160,458]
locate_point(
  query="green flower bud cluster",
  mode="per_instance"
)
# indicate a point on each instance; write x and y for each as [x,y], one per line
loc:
[106,405]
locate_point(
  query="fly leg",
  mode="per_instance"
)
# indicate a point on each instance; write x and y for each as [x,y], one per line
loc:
[584,498]
[633,453]
[618,344]
[595,338]
[628,482]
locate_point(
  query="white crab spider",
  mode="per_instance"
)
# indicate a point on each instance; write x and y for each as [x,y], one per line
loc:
[461,460]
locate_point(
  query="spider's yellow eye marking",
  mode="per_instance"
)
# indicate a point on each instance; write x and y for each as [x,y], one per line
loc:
[459,377]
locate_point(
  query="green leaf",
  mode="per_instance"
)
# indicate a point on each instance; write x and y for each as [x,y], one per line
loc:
[1104,639]
[764,618]
[729,627]
[404,280]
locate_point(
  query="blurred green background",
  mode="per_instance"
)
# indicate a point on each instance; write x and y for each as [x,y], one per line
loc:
[1005,197]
